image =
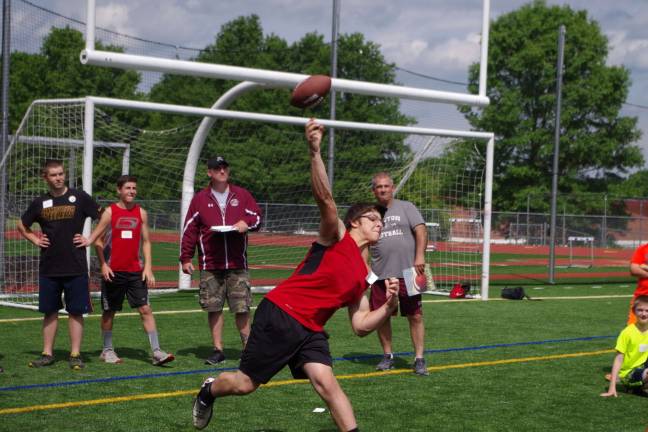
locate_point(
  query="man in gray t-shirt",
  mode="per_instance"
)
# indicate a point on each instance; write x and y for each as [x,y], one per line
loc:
[402,245]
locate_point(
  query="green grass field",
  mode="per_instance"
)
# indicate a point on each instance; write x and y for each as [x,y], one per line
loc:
[494,366]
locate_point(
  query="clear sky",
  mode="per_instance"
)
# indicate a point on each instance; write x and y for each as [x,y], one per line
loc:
[439,38]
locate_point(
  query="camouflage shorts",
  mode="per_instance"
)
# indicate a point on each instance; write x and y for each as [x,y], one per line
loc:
[215,286]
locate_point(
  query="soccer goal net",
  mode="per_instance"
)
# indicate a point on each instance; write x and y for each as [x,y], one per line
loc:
[442,177]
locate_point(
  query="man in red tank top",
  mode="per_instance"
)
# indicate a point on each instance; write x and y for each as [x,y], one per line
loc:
[288,328]
[124,272]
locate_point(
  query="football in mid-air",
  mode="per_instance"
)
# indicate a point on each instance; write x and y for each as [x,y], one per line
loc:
[311,91]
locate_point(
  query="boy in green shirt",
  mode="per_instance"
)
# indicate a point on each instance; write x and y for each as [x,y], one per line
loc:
[630,365]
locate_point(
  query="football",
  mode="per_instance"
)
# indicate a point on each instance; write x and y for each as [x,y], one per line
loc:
[421,282]
[311,91]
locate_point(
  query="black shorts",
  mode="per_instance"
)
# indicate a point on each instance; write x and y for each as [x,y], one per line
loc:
[124,284]
[74,290]
[277,340]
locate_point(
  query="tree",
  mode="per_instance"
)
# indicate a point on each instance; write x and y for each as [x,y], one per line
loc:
[56,72]
[596,144]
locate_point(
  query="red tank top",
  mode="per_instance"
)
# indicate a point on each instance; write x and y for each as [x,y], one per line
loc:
[125,239]
[641,257]
[328,279]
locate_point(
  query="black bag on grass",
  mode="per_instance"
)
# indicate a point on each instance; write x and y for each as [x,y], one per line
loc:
[514,293]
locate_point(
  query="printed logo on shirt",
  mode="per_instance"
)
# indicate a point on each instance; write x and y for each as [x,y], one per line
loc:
[126,222]
[234,202]
[72,198]
[58,212]
[392,233]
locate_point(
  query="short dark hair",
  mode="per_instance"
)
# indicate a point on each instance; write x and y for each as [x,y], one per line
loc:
[123,179]
[50,163]
[381,174]
[639,299]
[356,210]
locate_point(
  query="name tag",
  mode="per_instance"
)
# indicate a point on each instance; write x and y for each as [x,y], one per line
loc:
[127,234]
[643,348]
[48,203]
[371,278]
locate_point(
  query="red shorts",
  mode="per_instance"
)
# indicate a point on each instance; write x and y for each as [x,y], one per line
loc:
[408,305]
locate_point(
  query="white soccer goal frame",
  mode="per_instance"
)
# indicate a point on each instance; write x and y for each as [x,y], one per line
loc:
[211,114]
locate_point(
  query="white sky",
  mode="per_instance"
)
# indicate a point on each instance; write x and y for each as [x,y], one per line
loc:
[434,37]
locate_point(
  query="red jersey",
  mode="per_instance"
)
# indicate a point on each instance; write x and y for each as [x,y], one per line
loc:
[641,257]
[328,279]
[125,238]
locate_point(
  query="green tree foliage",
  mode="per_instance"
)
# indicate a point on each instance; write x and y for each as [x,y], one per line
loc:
[253,148]
[56,72]
[596,145]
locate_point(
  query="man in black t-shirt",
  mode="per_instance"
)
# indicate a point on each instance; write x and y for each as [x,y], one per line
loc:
[63,267]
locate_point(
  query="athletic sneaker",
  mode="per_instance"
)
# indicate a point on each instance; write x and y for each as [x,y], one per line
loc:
[203,406]
[216,357]
[75,361]
[43,360]
[160,357]
[419,367]
[109,356]
[386,363]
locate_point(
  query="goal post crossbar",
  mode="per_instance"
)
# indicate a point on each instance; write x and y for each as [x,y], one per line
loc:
[281,119]
[90,56]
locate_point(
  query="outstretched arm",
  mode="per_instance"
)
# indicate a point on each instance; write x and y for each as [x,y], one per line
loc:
[331,227]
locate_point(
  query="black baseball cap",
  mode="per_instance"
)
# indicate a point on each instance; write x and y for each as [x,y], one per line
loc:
[217,162]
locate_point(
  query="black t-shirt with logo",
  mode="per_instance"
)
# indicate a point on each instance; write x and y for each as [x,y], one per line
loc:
[60,218]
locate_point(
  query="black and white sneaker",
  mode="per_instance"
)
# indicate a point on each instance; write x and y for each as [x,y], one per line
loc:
[386,363]
[203,406]
[216,357]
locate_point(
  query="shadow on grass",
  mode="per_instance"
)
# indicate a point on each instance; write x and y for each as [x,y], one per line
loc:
[204,351]
[372,360]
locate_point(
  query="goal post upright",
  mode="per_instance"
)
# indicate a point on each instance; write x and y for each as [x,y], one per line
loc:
[488,210]
[191,164]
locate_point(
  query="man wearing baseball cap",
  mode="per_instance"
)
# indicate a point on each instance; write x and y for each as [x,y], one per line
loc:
[217,222]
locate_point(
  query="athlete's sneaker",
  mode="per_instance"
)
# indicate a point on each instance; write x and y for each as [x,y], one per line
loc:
[203,406]
[386,363]
[216,357]
[160,357]
[419,367]
[109,356]
[76,362]
[43,360]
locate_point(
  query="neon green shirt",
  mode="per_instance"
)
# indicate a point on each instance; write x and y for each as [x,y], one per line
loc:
[633,344]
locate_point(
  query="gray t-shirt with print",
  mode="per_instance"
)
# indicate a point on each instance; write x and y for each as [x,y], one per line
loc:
[396,249]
